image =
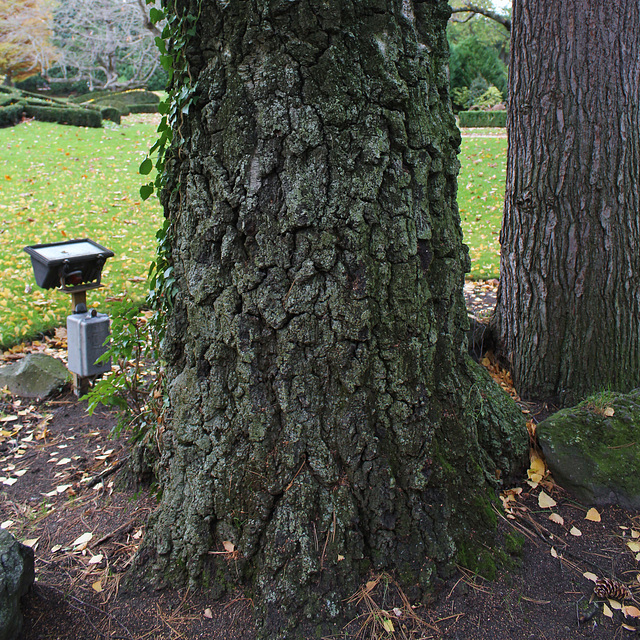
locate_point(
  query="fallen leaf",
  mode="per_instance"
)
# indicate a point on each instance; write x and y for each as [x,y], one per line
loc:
[55,548]
[545,501]
[81,542]
[229,547]
[628,627]
[208,613]
[590,576]
[370,585]
[554,553]
[63,461]
[575,532]
[608,412]
[397,612]
[388,625]
[607,612]
[20,473]
[593,515]
[635,534]
[97,586]
[9,481]
[96,559]
[340,558]
[557,518]
[615,604]
[30,543]
[634,546]
[631,611]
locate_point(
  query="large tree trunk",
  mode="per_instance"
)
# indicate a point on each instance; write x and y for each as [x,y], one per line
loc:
[568,312]
[325,421]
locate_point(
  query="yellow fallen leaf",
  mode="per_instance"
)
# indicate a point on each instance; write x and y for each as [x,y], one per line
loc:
[593,515]
[608,412]
[615,604]
[388,625]
[229,547]
[208,613]
[628,627]
[607,612]
[590,576]
[634,534]
[634,546]
[545,501]
[340,558]
[97,586]
[96,559]
[554,553]
[370,585]
[537,469]
[31,542]
[631,612]
[557,518]
[575,532]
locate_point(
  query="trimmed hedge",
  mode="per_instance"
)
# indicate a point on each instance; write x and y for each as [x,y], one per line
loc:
[14,104]
[132,101]
[77,117]
[483,118]
[111,113]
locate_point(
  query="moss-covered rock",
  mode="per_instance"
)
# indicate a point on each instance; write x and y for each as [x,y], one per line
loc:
[593,449]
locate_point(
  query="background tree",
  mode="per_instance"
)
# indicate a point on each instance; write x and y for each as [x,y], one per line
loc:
[25,38]
[110,44]
[325,421]
[479,50]
[568,309]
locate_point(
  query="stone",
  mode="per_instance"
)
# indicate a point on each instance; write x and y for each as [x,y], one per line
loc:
[593,449]
[35,376]
[17,574]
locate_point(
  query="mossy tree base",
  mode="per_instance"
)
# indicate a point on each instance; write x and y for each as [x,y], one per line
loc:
[325,421]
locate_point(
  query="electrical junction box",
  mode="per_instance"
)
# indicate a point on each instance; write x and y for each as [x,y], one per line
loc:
[86,335]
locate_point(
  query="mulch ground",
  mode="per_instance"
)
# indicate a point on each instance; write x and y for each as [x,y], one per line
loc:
[59,493]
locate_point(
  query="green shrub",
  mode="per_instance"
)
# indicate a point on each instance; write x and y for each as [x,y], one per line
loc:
[483,118]
[110,113]
[78,117]
[490,98]
[11,114]
[144,108]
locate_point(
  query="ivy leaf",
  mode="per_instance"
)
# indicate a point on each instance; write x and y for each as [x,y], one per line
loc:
[146,167]
[155,15]
[146,190]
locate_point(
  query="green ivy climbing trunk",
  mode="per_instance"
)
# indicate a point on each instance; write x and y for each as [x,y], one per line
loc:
[568,312]
[324,420]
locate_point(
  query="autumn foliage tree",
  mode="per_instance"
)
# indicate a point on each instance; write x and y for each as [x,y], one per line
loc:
[26,30]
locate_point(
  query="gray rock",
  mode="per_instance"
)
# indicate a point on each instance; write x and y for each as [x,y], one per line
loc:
[35,376]
[17,574]
[593,449]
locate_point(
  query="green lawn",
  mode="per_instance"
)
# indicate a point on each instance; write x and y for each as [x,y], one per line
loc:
[61,183]
[480,197]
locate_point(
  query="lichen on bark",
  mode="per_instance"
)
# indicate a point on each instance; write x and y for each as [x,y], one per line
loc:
[324,418]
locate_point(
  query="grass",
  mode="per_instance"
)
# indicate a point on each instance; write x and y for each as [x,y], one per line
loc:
[481,186]
[61,183]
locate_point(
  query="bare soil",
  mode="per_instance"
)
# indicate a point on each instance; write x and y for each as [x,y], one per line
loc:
[59,471]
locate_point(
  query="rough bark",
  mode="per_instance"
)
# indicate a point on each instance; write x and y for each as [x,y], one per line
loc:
[568,307]
[325,420]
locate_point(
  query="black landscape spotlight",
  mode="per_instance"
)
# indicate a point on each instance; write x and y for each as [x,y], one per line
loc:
[75,267]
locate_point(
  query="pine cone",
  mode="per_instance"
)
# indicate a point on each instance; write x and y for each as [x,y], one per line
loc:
[609,588]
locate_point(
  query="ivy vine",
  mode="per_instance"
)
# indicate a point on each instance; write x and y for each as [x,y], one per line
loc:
[178,31]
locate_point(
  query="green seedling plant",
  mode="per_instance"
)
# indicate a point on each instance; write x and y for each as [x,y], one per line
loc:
[129,386]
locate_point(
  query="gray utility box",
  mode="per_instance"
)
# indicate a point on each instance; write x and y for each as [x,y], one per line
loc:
[86,335]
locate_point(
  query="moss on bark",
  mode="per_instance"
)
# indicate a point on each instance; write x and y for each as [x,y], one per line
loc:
[325,419]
